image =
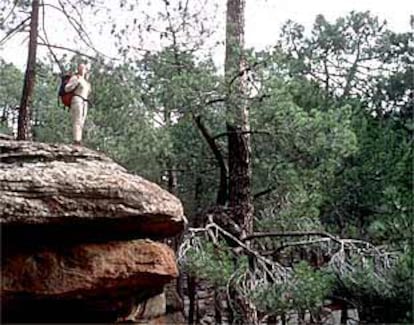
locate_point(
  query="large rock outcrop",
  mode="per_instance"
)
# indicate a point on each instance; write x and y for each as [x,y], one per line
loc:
[73,227]
[82,191]
[87,270]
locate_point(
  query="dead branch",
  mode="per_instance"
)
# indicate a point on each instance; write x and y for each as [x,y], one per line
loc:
[242,72]
[291,234]
[264,192]
[222,192]
[78,28]
[68,49]
[83,35]
[20,27]
[242,132]
[10,12]
[46,39]
[346,248]
[293,244]
[348,256]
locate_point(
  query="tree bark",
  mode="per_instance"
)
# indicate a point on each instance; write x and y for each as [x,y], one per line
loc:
[239,146]
[237,122]
[23,126]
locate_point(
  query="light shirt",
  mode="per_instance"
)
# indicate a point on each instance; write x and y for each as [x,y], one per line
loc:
[81,86]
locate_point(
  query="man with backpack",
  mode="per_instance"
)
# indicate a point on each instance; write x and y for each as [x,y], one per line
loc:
[76,92]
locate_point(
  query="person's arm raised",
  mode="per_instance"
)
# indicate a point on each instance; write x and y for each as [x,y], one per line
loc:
[72,84]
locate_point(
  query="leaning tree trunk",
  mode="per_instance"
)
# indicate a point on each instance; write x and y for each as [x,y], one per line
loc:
[23,123]
[239,148]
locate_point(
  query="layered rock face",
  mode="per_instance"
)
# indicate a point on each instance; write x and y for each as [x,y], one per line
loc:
[77,237]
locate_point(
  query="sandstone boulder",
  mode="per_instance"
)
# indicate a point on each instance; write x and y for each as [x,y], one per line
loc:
[94,277]
[88,269]
[72,223]
[80,194]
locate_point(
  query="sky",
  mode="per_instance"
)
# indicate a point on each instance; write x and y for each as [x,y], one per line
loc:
[264,19]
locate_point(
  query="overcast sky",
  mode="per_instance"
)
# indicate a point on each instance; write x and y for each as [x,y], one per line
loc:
[264,19]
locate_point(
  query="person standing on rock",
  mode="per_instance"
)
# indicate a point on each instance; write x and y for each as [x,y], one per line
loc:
[79,105]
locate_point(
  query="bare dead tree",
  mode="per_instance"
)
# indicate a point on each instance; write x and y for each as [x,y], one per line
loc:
[345,256]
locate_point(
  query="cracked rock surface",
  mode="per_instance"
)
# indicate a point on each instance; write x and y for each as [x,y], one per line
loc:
[66,186]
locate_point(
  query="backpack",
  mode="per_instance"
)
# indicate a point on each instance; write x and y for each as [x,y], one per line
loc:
[64,96]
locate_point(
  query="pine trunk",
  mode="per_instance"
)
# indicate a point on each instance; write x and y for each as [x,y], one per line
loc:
[239,147]
[23,123]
